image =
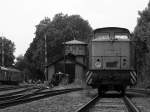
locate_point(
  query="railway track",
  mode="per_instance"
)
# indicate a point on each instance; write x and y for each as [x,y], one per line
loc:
[17,94]
[36,95]
[6,88]
[142,91]
[99,104]
[12,93]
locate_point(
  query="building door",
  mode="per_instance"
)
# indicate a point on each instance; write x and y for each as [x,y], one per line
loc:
[70,70]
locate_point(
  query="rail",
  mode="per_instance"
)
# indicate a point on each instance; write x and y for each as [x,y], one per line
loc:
[130,105]
[34,96]
[86,107]
[92,104]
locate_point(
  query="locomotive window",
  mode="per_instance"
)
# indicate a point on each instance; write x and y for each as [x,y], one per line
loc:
[121,36]
[100,36]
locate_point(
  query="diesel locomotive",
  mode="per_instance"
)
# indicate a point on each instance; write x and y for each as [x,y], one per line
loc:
[111,60]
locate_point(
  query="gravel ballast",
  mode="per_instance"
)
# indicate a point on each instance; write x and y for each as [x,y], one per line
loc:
[143,103]
[61,103]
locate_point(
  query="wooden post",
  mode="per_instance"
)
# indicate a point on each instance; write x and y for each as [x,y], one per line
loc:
[2,52]
[46,75]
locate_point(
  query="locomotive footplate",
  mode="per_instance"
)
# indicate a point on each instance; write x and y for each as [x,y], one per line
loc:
[111,80]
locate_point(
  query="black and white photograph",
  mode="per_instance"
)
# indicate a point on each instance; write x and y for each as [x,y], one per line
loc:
[74,55]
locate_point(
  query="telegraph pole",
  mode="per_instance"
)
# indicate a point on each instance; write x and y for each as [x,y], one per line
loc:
[2,52]
[45,49]
[46,76]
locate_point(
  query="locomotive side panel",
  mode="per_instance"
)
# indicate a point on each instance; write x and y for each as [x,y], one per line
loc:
[90,56]
[132,56]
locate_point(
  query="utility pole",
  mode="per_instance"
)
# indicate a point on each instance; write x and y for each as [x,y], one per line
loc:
[64,56]
[46,71]
[45,48]
[2,52]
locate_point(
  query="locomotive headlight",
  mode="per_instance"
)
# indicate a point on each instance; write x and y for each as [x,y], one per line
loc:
[98,64]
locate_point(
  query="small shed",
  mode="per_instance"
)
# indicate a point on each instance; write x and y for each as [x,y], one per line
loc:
[73,63]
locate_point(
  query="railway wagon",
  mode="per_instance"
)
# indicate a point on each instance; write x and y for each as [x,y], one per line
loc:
[111,60]
[10,76]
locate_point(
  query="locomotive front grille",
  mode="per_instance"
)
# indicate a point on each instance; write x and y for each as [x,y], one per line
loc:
[111,64]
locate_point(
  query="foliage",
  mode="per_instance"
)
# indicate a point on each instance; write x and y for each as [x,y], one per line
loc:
[62,28]
[20,63]
[142,39]
[9,48]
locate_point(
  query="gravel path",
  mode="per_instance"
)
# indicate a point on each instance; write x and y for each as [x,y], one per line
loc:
[61,103]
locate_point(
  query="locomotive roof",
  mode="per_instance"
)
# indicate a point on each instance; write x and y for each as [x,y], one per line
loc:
[112,28]
[99,39]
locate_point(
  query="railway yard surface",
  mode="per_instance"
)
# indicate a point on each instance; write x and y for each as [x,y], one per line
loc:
[61,103]
[73,101]
[143,103]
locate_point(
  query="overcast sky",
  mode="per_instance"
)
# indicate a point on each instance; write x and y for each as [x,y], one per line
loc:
[19,17]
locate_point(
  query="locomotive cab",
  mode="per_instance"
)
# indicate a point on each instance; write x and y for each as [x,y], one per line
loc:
[110,59]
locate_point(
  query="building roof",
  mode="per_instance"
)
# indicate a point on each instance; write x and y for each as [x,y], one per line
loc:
[75,42]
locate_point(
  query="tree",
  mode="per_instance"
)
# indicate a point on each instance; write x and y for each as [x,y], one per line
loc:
[8,49]
[142,41]
[62,28]
[20,62]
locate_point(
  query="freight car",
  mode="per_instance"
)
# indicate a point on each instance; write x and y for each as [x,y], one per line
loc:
[111,60]
[10,76]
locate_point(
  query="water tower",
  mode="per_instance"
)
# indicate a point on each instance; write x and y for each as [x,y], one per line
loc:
[76,50]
